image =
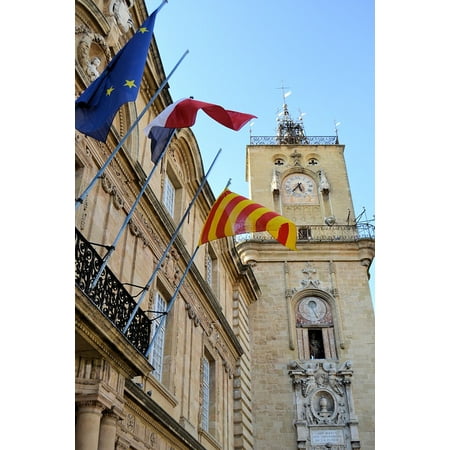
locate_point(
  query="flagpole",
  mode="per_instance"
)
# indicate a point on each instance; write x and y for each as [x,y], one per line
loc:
[112,247]
[171,302]
[172,240]
[83,196]
[228,184]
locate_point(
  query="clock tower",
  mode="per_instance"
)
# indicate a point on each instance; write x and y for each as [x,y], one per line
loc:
[312,329]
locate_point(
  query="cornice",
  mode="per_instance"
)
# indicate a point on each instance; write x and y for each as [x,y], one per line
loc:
[164,420]
[89,13]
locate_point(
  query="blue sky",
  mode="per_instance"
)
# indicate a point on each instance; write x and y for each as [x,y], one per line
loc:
[240,55]
[242,52]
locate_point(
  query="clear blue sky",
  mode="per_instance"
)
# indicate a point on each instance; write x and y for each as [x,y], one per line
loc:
[242,52]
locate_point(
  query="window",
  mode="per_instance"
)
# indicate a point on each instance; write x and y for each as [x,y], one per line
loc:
[206,371]
[315,329]
[169,196]
[207,409]
[211,268]
[208,268]
[157,351]
[316,349]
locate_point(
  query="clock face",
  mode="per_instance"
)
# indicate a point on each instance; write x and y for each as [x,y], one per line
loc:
[299,188]
[312,309]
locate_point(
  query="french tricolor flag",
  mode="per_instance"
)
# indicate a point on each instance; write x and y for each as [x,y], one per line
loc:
[182,114]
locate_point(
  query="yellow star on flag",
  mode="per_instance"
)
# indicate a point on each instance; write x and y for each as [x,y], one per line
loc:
[130,83]
[143,30]
[109,90]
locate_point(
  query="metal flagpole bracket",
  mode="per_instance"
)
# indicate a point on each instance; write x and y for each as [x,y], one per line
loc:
[108,247]
[143,288]
[161,314]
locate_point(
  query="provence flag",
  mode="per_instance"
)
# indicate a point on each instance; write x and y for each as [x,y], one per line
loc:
[234,214]
[119,83]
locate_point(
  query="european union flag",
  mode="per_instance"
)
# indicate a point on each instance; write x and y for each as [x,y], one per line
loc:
[119,83]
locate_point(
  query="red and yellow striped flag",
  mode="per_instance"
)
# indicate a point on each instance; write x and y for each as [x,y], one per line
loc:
[234,214]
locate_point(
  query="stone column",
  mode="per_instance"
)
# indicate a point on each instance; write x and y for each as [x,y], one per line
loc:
[108,430]
[88,425]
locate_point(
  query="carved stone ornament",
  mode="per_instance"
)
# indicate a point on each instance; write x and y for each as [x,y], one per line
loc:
[119,9]
[309,282]
[295,158]
[130,422]
[109,188]
[324,405]
[324,186]
[170,266]
[275,184]
[92,53]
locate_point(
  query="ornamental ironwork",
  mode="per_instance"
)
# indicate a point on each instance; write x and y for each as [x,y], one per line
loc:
[109,294]
[319,233]
[298,140]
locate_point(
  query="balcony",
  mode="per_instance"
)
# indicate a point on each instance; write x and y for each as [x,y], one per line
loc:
[294,139]
[319,233]
[109,294]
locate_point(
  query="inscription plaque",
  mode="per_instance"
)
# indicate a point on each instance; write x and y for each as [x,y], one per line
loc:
[322,437]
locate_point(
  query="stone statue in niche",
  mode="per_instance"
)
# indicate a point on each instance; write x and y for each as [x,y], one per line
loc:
[92,68]
[324,186]
[275,185]
[323,412]
[92,50]
[315,347]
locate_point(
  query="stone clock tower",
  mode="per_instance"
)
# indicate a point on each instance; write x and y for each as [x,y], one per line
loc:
[312,330]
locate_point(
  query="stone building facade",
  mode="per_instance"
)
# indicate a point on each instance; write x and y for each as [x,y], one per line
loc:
[232,367]
[312,346]
[193,391]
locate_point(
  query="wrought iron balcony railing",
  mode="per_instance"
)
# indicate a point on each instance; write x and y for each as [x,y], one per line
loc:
[299,140]
[319,233]
[109,294]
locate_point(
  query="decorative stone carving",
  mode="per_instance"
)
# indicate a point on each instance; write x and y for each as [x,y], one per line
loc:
[134,229]
[275,184]
[120,10]
[154,440]
[93,53]
[109,188]
[324,186]
[296,158]
[309,282]
[192,314]
[170,266]
[84,214]
[92,68]
[130,422]
[324,405]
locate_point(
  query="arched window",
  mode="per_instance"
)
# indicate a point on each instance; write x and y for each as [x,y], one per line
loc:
[315,329]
